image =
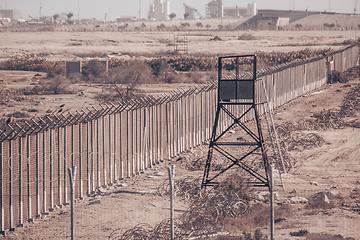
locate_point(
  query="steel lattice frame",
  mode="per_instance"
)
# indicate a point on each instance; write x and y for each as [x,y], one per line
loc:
[240,90]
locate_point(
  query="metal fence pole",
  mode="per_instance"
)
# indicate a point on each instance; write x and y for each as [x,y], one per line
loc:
[2,224]
[21,180]
[171,171]
[37,177]
[272,201]
[72,176]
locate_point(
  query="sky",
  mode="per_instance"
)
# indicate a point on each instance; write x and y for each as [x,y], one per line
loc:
[116,8]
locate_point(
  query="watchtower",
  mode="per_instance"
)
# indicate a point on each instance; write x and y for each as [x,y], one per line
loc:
[238,100]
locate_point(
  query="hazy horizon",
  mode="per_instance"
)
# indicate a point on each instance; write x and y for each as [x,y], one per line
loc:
[115,8]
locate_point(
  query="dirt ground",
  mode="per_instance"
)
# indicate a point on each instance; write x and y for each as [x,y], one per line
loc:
[75,46]
[333,166]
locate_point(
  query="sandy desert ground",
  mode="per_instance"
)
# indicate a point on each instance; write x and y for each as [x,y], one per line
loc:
[333,166]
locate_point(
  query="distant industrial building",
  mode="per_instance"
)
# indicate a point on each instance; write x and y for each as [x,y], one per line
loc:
[214,9]
[250,10]
[126,19]
[159,10]
[235,11]
[190,12]
[274,19]
[12,14]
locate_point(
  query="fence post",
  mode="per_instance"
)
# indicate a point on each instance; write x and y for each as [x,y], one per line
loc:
[28,176]
[115,136]
[98,175]
[171,171]
[51,171]
[111,151]
[2,230]
[21,180]
[103,151]
[80,162]
[11,208]
[88,157]
[37,177]
[66,200]
[59,168]
[272,201]
[44,172]
[72,176]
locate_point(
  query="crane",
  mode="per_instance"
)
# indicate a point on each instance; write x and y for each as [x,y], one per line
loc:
[190,10]
[355,5]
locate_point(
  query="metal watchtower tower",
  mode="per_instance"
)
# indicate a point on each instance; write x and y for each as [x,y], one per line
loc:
[238,100]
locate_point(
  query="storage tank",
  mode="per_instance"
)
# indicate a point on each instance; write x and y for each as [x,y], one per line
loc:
[251,9]
[158,13]
[166,10]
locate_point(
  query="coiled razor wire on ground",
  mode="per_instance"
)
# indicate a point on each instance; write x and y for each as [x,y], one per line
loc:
[144,231]
[208,209]
[185,188]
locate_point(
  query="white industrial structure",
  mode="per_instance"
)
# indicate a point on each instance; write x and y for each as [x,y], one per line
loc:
[159,10]
[190,12]
[166,10]
[251,9]
[158,14]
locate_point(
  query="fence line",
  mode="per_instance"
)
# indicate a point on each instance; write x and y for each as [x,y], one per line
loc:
[120,141]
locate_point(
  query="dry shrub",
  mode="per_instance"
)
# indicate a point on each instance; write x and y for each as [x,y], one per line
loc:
[321,205]
[28,63]
[19,115]
[351,103]
[121,82]
[56,70]
[355,194]
[300,233]
[216,38]
[337,76]
[245,236]
[94,70]
[325,236]
[303,141]
[258,215]
[7,95]
[57,85]
[246,37]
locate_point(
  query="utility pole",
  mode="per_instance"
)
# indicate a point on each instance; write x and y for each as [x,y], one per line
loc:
[40,10]
[78,12]
[139,9]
